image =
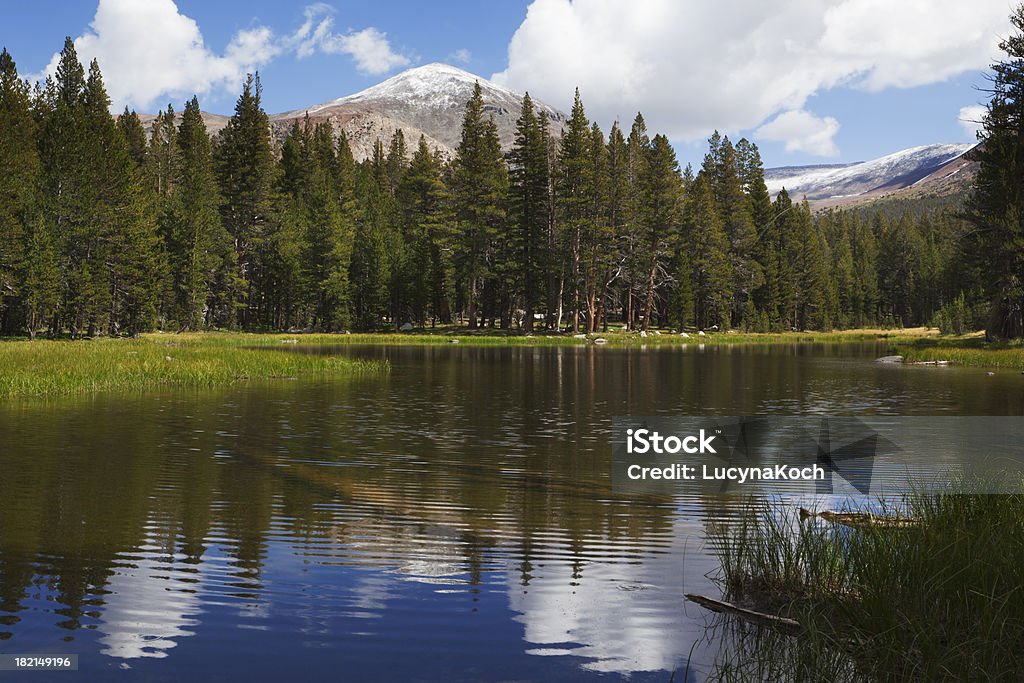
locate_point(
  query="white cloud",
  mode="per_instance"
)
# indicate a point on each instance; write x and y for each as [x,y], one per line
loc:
[370,49]
[149,50]
[314,30]
[461,56]
[970,118]
[693,67]
[802,131]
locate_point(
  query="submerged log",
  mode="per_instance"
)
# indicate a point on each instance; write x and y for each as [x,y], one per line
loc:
[783,624]
[862,520]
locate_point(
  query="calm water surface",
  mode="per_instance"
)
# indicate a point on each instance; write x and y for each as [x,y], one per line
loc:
[452,521]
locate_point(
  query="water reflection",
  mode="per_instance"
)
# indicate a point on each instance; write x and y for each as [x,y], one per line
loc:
[142,616]
[454,519]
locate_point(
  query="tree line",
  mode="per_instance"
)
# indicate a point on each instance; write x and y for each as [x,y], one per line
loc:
[109,228]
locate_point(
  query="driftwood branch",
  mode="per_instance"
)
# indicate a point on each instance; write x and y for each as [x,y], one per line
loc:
[785,625]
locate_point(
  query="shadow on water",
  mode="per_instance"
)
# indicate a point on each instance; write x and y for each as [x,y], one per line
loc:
[454,519]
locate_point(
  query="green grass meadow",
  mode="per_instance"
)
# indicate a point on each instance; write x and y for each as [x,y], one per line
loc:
[62,368]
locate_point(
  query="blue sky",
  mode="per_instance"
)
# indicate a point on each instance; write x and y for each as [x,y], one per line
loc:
[809,81]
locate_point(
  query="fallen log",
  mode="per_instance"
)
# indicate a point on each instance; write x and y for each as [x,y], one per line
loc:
[861,520]
[782,624]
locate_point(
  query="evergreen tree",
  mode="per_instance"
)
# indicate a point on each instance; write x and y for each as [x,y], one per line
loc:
[160,164]
[996,205]
[572,198]
[95,208]
[42,281]
[19,184]
[618,208]
[529,203]
[637,145]
[836,229]
[680,304]
[751,175]
[339,289]
[397,160]
[245,169]
[123,227]
[198,244]
[781,303]
[812,292]
[660,193]
[750,170]
[161,157]
[283,304]
[865,267]
[297,158]
[328,240]
[479,187]
[423,199]
[65,192]
[898,269]
[736,211]
[370,273]
[708,256]
[401,254]
[598,236]
[134,134]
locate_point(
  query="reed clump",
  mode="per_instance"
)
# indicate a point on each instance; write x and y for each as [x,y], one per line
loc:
[937,600]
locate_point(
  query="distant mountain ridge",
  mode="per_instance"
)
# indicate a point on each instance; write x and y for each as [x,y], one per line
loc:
[927,168]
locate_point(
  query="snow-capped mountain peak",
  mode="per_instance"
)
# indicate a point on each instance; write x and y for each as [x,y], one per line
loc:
[427,100]
[437,84]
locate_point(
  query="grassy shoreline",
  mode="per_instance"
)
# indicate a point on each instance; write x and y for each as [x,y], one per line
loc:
[41,368]
[495,337]
[60,367]
[968,351]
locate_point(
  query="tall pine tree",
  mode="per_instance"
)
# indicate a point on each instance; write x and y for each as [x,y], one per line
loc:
[479,188]
[19,186]
[529,202]
[245,170]
[660,193]
[424,200]
[572,202]
[198,243]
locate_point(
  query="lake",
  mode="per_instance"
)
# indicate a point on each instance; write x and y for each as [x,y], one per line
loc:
[451,521]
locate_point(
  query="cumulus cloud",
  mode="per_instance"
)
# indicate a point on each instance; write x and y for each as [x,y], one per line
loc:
[802,131]
[693,67]
[148,50]
[970,119]
[370,49]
